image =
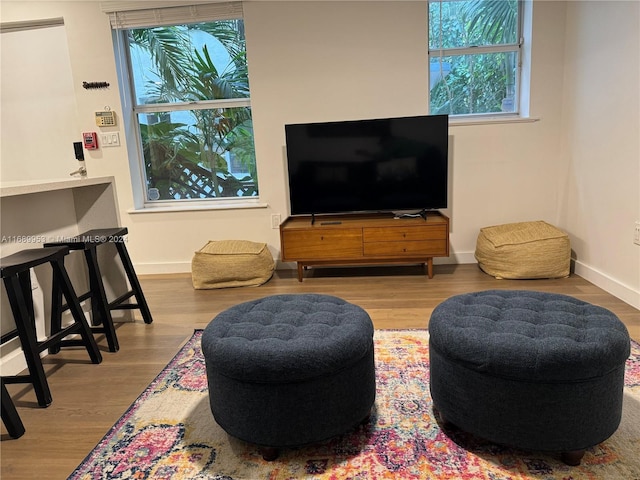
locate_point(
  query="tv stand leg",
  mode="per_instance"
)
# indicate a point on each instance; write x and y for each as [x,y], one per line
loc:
[430,267]
[300,267]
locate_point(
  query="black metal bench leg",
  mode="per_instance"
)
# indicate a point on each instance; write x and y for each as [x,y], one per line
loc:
[133,280]
[18,300]
[10,416]
[99,304]
[76,311]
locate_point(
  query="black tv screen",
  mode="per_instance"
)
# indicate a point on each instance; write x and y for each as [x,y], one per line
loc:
[391,164]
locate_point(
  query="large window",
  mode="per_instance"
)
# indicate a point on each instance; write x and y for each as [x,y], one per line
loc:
[474,56]
[188,89]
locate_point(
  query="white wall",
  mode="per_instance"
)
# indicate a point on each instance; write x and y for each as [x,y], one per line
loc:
[342,60]
[600,188]
[353,60]
[36,71]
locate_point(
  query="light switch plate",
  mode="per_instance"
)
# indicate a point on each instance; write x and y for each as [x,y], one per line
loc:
[111,139]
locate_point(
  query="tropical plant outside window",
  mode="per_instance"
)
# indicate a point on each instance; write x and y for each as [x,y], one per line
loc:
[474,56]
[190,92]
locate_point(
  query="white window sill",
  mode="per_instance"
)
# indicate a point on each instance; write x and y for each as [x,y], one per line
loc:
[196,208]
[489,120]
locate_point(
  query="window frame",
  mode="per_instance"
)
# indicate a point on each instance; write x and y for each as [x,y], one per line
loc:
[150,16]
[517,48]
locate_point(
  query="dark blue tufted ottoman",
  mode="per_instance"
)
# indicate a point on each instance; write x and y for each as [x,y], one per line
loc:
[289,370]
[531,370]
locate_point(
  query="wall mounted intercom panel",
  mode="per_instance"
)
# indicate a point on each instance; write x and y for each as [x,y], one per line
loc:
[106,119]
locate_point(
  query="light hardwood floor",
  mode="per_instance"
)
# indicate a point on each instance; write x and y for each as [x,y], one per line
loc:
[88,399]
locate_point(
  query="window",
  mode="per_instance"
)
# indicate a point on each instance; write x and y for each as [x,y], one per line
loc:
[474,56]
[188,90]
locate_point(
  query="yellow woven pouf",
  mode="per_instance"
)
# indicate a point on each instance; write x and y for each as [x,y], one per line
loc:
[231,263]
[524,250]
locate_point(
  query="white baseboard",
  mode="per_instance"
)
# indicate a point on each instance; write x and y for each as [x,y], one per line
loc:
[456,258]
[160,268]
[614,287]
[610,285]
[185,267]
[12,361]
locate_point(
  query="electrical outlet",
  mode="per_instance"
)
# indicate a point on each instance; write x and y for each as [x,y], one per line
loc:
[275,220]
[636,234]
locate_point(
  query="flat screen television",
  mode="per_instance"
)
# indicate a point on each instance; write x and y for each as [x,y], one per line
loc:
[376,165]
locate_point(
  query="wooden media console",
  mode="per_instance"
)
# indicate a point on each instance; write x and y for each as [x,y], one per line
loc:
[371,239]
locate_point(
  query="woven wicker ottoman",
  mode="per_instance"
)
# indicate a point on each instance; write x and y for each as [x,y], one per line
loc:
[290,370]
[524,250]
[531,370]
[231,263]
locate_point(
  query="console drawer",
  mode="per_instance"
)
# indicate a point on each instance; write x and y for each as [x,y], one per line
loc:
[320,244]
[411,248]
[386,234]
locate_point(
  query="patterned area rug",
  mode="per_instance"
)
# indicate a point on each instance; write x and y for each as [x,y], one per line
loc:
[169,433]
